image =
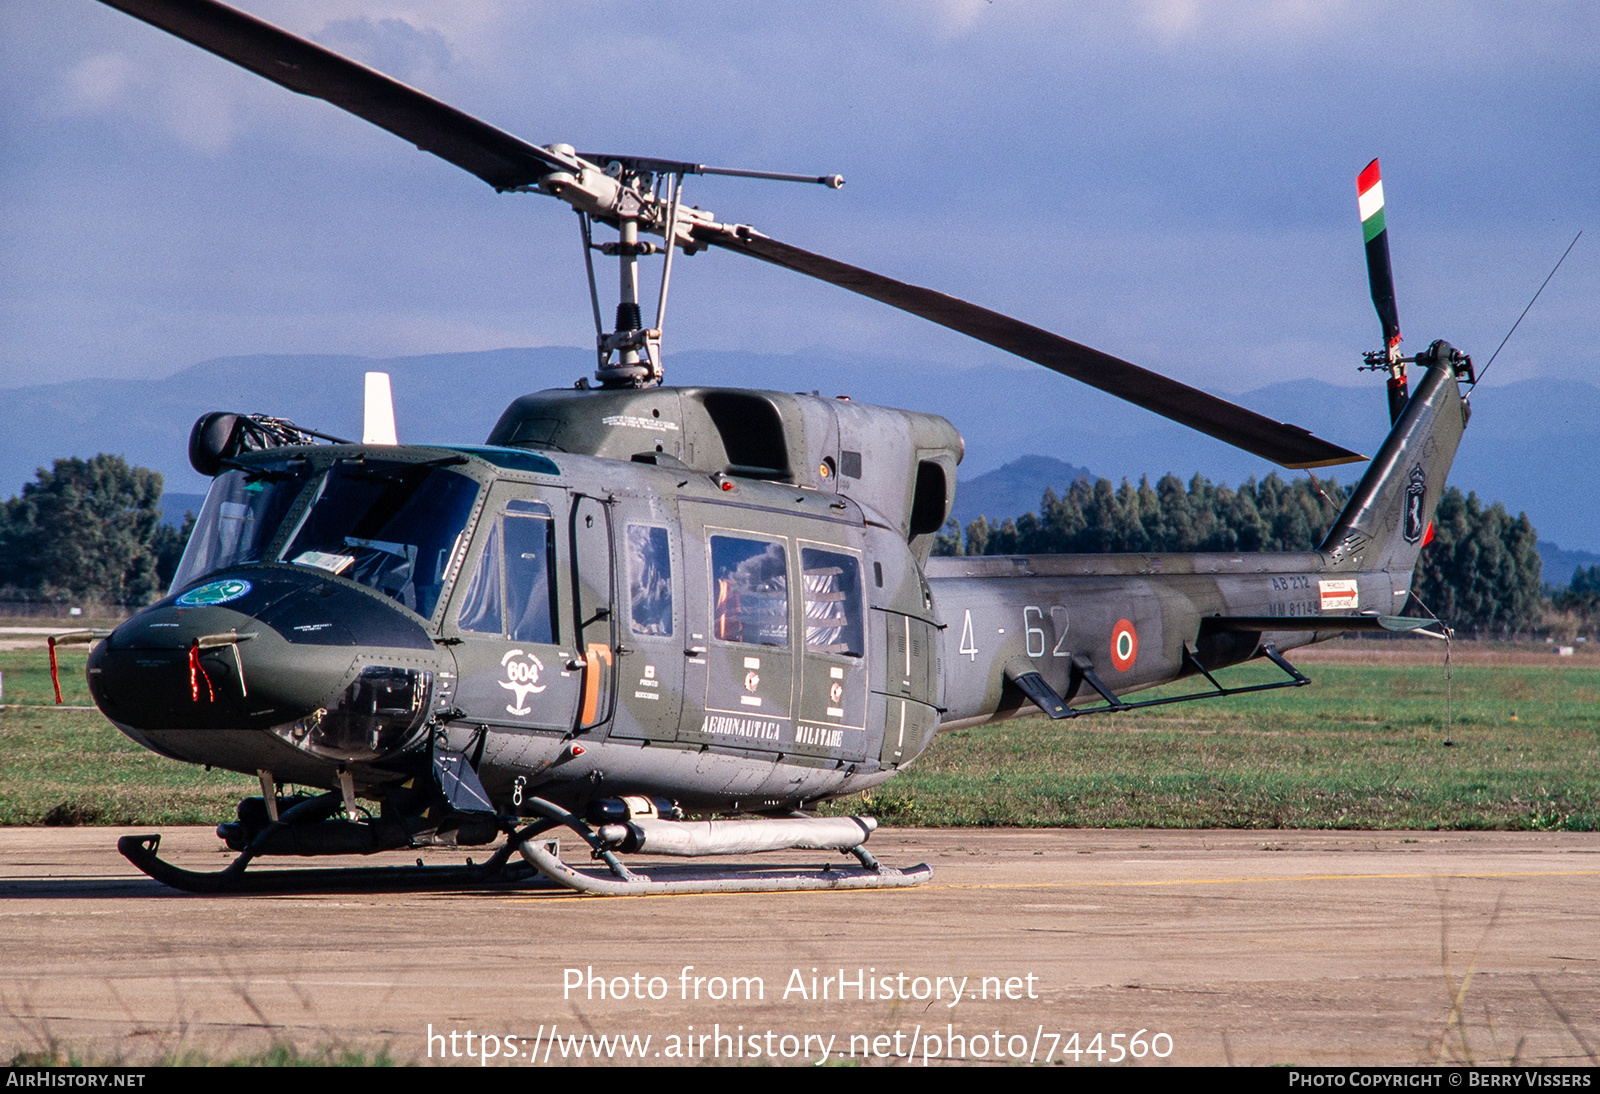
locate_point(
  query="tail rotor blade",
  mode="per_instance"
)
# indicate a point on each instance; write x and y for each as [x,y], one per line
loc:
[1369,188]
[1380,275]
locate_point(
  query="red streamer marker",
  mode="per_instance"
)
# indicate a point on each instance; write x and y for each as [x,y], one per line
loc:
[55,675]
[197,673]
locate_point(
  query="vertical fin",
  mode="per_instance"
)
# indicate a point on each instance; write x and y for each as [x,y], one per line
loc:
[1388,517]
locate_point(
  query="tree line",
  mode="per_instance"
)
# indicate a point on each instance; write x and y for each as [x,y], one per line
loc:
[1582,598]
[89,531]
[1480,573]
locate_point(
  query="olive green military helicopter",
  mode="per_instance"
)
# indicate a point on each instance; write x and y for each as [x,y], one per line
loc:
[637,604]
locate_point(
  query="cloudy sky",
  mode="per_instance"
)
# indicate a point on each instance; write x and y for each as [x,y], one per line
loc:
[1170,180]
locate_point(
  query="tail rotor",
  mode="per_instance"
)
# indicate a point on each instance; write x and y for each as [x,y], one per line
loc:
[1380,275]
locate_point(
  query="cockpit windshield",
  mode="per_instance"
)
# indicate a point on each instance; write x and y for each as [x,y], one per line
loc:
[390,525]
[394,527]
[240,518]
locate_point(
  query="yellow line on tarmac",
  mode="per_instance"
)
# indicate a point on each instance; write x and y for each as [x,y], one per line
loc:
[1251,880]
[1099,884]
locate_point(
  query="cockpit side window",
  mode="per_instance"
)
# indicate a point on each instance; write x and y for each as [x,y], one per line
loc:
[481,609]
[513,590]
[530,572]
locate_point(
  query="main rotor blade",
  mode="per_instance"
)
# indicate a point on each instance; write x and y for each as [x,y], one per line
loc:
[1283,444]
[506,162]
[503,161]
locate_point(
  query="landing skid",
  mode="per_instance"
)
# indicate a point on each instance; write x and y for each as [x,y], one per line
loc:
[496,873]
[642,881]
[541,868]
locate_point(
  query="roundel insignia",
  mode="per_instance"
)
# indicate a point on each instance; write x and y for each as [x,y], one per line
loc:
[215,592]
[1124,645]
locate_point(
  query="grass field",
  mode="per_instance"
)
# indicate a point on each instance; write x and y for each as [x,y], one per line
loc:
[74,767]
[1362,747]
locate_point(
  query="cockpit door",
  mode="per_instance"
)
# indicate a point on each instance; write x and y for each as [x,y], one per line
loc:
[594,601]
[514,634]
[650,624]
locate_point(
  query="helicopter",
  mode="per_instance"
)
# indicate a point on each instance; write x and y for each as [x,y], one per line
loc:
[633,604]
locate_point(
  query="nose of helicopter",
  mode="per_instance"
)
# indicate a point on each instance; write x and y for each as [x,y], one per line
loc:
[262,666]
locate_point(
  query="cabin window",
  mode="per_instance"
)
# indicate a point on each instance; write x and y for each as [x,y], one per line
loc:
[650,580]
[750,586]
[513,589]
[832,582]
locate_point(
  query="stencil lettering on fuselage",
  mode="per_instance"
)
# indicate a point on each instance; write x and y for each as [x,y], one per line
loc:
[756,729]
[820,736]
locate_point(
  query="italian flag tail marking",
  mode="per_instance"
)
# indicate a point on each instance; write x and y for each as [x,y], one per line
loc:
[1369,187]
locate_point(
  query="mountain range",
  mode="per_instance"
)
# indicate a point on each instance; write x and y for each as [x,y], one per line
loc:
[1019,486]
[1532,445]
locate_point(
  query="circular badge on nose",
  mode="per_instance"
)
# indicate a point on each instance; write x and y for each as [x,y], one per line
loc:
[215,592]
[1124,645]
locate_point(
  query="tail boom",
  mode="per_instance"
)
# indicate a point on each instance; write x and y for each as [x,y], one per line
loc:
[1088,625]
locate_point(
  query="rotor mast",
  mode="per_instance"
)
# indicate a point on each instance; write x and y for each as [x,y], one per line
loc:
[636,194]
[629,369]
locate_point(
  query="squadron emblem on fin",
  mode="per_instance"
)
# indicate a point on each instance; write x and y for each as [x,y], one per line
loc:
[1416,492]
